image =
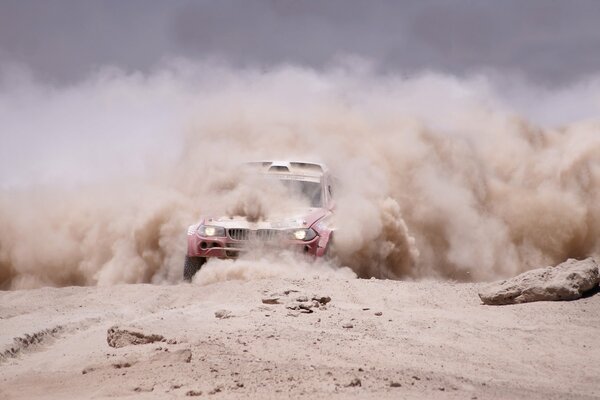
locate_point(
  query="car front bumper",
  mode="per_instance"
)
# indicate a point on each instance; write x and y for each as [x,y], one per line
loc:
[228,247]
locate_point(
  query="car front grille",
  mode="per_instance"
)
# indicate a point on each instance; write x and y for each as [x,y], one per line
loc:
[238,234]
[266,235]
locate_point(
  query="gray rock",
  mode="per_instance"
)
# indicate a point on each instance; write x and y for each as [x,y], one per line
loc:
[271,300]
[223,314]
[567,281]
[354,383]
[321,299]
[119,337]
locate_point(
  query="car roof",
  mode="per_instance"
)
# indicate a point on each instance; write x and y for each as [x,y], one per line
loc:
[301,168]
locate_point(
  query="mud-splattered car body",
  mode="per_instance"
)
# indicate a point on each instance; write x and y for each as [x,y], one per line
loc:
[307,230]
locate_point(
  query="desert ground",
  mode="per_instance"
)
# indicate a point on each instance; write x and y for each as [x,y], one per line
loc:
[282,337]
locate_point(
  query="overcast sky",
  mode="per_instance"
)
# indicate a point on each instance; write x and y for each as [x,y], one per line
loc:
[551,42]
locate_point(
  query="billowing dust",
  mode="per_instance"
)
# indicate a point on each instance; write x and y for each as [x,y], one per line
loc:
[268,265]
[438,176]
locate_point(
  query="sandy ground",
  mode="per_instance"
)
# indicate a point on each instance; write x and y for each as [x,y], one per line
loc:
[431,340]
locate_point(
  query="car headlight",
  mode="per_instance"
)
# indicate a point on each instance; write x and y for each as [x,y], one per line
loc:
[211,230]
[303,234]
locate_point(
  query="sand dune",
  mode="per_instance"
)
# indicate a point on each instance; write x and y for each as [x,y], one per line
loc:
[374,339]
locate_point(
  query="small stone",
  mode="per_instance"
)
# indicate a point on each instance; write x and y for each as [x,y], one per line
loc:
[193,393]
[223,314]
[140,389]
[215,390]
[354,383]
[119,337]
[302,299]
[271,300]
[395,384]
[347,325]
[307,306]
[322,299]
[379,313]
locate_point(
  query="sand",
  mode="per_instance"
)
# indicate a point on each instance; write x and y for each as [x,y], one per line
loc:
[375,339]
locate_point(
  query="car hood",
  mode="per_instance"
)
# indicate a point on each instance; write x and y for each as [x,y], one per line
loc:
[302,218]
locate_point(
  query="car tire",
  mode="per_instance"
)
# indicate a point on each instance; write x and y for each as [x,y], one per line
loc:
[328,254]
[191,266]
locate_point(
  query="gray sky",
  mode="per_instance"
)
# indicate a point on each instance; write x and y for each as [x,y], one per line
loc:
[551,42]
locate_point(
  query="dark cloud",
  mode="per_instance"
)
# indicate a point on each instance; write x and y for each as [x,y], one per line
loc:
[546,41]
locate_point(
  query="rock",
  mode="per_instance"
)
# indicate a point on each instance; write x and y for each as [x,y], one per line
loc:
[354,382]
[216,390]
[567,281]
[271,300]
[117,337]
[347,325]
[379,313]
[302,307]
[193,393]
[322,299]
[302,299]
[223,314]
[88,370]
[144,388]
[395,384]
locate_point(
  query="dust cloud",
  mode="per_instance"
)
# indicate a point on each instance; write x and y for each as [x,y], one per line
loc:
[439,177]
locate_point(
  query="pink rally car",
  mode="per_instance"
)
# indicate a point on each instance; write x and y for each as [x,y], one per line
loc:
[308,229]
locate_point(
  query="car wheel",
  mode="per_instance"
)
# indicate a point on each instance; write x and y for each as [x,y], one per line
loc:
[328,253]
[191,266]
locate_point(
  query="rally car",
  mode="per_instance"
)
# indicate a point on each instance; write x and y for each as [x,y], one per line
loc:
[307,229]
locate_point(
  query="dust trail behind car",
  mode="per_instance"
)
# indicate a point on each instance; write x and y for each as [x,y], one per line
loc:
[438,176]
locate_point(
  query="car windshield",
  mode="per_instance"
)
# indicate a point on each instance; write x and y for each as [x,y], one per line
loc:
[304,189]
